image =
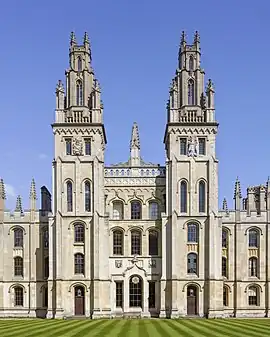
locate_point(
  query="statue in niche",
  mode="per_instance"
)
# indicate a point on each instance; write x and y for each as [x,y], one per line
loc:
[77,147]
[192,147]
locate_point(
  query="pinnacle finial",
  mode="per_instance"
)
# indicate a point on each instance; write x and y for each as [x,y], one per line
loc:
[183,37]
[86,38]
[237,189]
[59,86]
[72,38]
[19,204]
[135,139]
[225,205]
[33,193]
[2,190]
[196,37]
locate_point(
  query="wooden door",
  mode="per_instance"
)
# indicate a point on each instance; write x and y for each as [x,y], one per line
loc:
[79,301]
[192,301]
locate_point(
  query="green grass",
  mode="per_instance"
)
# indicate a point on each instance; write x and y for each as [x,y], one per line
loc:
[136,328]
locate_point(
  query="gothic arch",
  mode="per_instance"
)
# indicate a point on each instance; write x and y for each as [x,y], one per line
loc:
[228,287]
[227,229]
[43,287]
[258,229]
[83,182]
[117,198]
[75,284]
[79,222]
[14,285]
[117,228]
[179,184]
[197,184]
[12,228]
[192,283]
[258,286]
[195,221]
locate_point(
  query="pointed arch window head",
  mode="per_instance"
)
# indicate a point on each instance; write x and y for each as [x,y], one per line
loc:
[79,93]
[192,263]
[191,97]
[192,235]
[202,196]
[69,197]
[87,196]
[79,63]
[253,238]
[183,196]
[191,63]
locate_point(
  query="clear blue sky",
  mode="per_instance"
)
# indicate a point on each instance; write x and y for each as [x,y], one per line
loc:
[134,48]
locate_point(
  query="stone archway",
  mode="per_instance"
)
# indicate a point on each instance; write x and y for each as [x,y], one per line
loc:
[192,300]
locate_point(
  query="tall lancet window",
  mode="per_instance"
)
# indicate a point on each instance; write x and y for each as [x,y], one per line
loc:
[79,63]
[69,196]
[191,100]
[87,196]
[183,197]
[191,63]
[79,93]
[201,196]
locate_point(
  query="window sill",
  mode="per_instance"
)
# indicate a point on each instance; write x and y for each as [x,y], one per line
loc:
[78,243]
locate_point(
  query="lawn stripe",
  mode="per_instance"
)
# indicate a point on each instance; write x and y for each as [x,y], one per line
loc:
[88,326]
[187,328]
[143,328]
[19,328]
[163,329]
[197,325]
[238,331]
[210,325]
[107,328]
[242,325]
[125,329]
[255,325]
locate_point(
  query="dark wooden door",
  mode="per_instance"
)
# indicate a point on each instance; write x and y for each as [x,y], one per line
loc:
[79,301]
[192,301]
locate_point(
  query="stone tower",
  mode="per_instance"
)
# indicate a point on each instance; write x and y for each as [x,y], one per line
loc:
[193,245]
[78,191]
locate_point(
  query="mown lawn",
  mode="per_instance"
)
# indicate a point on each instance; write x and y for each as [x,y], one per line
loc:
[136,328]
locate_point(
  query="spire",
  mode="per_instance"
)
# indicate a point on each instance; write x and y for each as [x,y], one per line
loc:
[135,146]
[72,39]
[33,193]
[237,189]
[196,38]
[225,205]
[19,204]
[2,190]
[85,38]
[183,38]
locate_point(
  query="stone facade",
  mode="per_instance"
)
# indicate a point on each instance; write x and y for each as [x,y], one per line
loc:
[135,238]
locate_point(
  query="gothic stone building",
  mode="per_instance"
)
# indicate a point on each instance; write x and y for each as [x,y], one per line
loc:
[135,238]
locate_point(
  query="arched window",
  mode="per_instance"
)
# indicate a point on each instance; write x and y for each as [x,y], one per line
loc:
[118,242]
[192,263]
[118,210]
[253,295]
[136,210]
[224,238]
[153,210]
[79,263]
[18,296]
[192,233]
[224,267]
[191,63]
[253,267]
[79,233]
[136,242]
[18,237]
[191,100]
[79,93]
[69,197]
[225,296]
[87,196]
[135,292]
[183,197]
[253,238]
[153,242]
[202,196]
[79,63]
[46,267]
[18,266]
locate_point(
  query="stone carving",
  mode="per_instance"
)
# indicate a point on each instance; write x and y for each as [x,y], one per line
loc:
[152,263]
[118,263]
[135,280]
[192,147]
[77,147]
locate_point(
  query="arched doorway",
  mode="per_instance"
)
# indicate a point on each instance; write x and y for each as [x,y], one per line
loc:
[135,291]
[192,300]
[79,299]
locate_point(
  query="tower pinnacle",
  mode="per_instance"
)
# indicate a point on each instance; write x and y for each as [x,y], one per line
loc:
[135,147]
[2,190]
[19,204]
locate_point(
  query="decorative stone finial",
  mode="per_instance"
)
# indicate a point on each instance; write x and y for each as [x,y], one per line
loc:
[210,85]
[19,204]
[72,38]
[2,190]
[225,205]
[183,37]
[135,140]
[237,189]
[33,193]
[60,86]
[85,38]
[196,37]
